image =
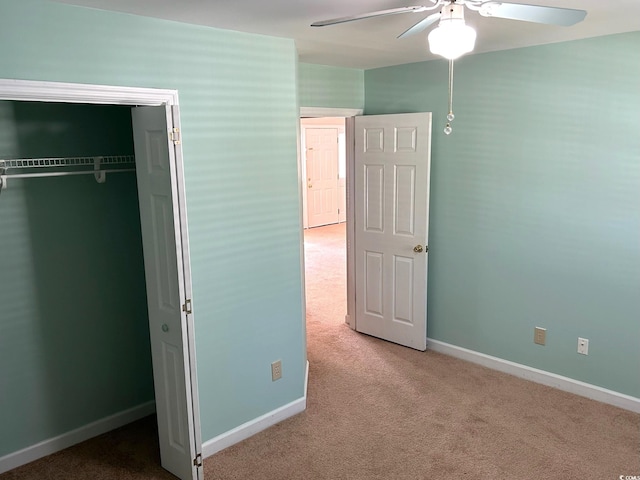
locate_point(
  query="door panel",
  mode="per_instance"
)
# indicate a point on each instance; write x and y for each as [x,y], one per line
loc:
[165,279]
[374,204]
[168,288]
[402,289]
[405,196]
[171,362]
[374,282]
[392,161]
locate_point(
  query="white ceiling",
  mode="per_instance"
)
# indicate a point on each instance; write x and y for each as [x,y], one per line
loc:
[372,43]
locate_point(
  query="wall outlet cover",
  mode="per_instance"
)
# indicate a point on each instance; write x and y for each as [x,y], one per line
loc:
[540,335]
[276,370]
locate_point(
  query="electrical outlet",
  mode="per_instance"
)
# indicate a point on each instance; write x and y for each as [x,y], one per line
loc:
[583,346]
[276,370]
[540,335]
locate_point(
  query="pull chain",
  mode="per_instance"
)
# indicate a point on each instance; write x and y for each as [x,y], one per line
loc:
[450,115]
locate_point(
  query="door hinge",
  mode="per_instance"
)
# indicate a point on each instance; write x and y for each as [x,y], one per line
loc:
[186,306]
[197,462]
[175,136]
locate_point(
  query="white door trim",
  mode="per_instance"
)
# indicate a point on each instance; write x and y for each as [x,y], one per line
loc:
[29,90]
[318,112]
[350,145]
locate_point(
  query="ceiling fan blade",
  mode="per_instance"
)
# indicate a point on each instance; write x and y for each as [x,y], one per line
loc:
[379,13]
[532,13]
[421,25]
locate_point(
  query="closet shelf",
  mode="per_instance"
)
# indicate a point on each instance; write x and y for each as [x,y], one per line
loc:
[63,166]
[66,161]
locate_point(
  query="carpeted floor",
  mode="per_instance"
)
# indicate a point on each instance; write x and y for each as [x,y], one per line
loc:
[377,410]
[128,453]
[380,411]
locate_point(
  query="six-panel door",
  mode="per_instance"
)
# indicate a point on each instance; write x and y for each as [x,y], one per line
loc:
[392,161]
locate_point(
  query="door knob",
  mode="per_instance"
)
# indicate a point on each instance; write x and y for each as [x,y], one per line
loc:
[418,248]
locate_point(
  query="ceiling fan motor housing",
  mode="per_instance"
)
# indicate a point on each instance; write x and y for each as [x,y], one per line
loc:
[452,12]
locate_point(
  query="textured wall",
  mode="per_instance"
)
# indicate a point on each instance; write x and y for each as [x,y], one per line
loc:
[535,216]
[325,86]
[239,117]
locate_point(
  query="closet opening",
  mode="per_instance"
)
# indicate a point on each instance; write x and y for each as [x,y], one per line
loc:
[97,287]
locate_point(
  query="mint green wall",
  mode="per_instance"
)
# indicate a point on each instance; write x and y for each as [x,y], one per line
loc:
[239,115]
[326,86]
[535,203]
[74,335]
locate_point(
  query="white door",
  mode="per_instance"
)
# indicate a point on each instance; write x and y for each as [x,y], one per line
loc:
[170,319]
[392,162]
[322,176]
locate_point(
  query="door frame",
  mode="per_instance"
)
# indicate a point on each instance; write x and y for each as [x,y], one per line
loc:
[349,114]
[42,91]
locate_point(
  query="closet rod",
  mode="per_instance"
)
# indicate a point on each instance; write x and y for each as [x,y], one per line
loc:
[64,174]
[99,174]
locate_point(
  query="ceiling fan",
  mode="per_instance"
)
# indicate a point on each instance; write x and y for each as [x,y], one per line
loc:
[453,38]
[451,12]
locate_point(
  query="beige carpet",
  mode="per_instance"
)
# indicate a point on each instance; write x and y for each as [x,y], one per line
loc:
[380,411]
[377,410]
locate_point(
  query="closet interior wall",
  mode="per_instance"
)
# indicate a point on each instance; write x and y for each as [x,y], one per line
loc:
[74,335]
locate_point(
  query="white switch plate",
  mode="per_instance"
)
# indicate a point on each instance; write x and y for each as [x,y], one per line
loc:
[583,346]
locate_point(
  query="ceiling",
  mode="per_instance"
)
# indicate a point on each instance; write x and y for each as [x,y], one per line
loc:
[372,43]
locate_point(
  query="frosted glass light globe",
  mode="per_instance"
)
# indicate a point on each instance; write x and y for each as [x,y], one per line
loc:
[452,39]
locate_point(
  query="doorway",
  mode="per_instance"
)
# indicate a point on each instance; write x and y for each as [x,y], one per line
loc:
[179,414]
[326,247]
[398,190]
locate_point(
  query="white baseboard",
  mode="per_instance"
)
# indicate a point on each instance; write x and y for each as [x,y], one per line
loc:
[347,320]
[256,425]
[55,444]
[306,383]
[539,376]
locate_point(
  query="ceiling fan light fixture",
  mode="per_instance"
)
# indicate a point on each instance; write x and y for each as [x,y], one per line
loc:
[452,37]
